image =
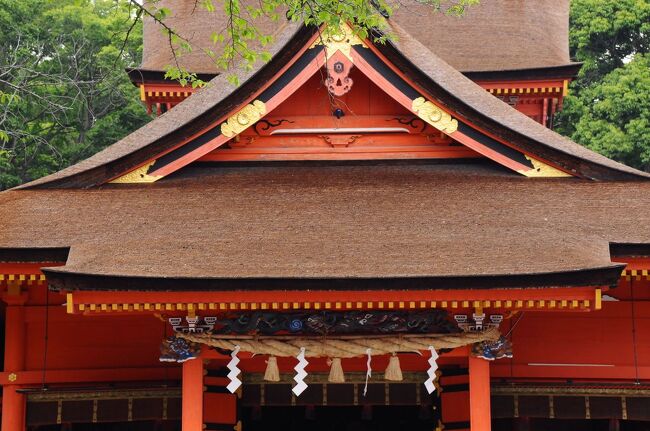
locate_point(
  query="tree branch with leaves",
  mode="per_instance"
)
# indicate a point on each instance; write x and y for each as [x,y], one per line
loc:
[242,41]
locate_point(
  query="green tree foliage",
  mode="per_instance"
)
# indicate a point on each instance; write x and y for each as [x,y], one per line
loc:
[606,33]
[608,109]
[64,94]
[612,116]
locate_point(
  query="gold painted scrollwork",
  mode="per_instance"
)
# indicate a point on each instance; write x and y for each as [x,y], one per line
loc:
[243,119]
[435,116]
[138,175]
[341,40]
[542,170]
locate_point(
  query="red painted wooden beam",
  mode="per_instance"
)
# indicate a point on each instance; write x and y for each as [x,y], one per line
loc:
[192,415]
[479,394]
[206,302]
[97,375]
[13,403]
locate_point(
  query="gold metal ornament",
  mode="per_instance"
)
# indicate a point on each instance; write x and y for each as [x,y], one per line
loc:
[433,115]
[247,116]
[138,175]
[542,170]
[12,377]
[341,40]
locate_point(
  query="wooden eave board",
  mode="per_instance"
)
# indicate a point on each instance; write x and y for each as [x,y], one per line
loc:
[567,299]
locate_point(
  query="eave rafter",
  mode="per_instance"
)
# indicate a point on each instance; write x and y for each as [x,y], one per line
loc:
[18,273]
[321,50]
[552,88]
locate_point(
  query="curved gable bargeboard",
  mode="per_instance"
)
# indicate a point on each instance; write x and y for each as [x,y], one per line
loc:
[306,64]
[463,96]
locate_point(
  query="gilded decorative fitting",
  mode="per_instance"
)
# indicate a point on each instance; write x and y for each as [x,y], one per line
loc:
[542,170]
[243,119]
[433,115]
[341,40]
[138,175]
[12,377]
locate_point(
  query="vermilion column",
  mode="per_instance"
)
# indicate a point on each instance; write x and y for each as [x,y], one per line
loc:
[13,403]
[192,395]
[479,394]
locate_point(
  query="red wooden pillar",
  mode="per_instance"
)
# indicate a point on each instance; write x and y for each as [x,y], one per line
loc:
[545,112]
[192,414]
[13,403]
[479,394]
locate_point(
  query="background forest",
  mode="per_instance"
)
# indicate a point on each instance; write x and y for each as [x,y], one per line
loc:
[64,93]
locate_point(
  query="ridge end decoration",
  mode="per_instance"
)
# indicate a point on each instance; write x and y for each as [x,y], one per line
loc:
[341,40]
[542,170]
[433,115]
[138,175]
[244,118]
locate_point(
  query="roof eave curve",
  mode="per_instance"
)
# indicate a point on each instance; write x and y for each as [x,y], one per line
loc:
[468,99]
[426,70]
[61,278]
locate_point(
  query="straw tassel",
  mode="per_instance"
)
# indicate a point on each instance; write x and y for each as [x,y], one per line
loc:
[336,372]
[272,373]
[393,371]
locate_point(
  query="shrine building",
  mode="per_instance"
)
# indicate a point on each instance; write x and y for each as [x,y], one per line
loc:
[359,236]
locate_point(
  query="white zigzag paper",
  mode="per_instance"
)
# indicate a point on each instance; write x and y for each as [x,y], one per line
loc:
[235,383]
[431,371]
[300,373]
[368,370]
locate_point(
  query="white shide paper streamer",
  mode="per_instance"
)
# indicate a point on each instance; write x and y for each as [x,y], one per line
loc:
[431,371]
[300,373]
[235,383]
[368,370]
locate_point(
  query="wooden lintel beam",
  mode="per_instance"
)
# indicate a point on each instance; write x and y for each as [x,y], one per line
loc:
[92,375]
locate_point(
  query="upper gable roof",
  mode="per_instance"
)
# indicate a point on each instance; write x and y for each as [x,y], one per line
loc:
[514,34]
[442,83]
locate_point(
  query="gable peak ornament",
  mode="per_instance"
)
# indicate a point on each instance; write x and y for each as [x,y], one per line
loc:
[338,80]
[338,40]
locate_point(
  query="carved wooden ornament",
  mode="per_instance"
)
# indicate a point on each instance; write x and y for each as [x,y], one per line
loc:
[435,116]
[246,117]
[338,69]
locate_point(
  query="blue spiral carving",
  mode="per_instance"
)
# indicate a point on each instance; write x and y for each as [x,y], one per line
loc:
[295,325]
